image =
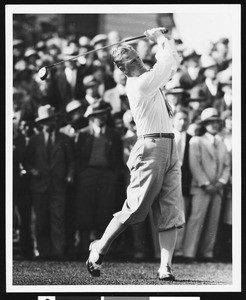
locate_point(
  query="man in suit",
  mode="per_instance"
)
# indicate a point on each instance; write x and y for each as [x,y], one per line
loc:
[49,161]
[190,73]
[99,159]
[182,139]
[210,167]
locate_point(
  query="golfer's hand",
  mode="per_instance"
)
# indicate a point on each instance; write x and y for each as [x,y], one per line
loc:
[154,33]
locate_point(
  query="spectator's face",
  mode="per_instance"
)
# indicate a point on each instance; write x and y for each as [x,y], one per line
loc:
[99,74]
[211,72]
[100,119]
[118,124]
[75,115]
[212,127]
[181,121]
[92,90]
[49,125]
[133,64]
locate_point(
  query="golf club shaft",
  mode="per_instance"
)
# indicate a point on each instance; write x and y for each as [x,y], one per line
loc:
[104,47]
[94,50]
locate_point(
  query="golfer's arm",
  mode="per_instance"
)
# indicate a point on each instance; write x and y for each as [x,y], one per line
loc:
[165,66]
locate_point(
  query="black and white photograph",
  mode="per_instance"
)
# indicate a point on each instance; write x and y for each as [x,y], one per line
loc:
[123,149]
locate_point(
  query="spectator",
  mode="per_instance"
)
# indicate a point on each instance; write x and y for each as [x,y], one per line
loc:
[74,73]
[98,161]
[91,85]
[210,85]
[176,97]
[225,102]
[18,53]
[75,119]
[190,73]
[197,102]
[106,81]
[221,53]
[21,203]
[116,96]
[182,139]
[103,55]
[210,167]
[49,161]
[224,242]
[118,124]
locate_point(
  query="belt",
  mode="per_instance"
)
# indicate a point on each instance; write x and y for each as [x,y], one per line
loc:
[157,135]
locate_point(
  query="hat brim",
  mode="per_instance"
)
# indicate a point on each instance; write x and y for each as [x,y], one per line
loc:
[39,120]
[212,119]
[98,112]
[74,109]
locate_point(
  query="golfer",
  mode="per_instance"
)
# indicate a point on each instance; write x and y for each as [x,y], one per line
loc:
[153,163]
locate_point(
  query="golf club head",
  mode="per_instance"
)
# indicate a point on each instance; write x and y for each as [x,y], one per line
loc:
[43,73]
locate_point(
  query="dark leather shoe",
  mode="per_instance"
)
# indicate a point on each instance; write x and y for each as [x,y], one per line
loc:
[94,262]
[166,274]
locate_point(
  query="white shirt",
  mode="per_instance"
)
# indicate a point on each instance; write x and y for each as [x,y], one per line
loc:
[46,137]
[146,100]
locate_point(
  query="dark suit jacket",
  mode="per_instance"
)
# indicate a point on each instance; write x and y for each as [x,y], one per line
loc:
[54,174]
[187,82]
[185,169]
[113,149]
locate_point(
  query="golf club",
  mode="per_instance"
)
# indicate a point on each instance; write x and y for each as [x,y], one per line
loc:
[43,72]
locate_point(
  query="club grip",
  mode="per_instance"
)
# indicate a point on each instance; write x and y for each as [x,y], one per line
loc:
[143,36]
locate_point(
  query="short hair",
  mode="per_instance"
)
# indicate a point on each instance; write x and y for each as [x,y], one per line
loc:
[118,52]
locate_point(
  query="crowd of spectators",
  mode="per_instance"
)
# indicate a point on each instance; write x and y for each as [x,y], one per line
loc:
[64,200]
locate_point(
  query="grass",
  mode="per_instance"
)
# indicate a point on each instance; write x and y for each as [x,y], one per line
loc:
[118,273]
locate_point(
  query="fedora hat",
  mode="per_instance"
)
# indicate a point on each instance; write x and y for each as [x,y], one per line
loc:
[46,112]
[176,90]
[98,107]
[73,105]
[196,94]
[30,52]
[210,114]
[208,62]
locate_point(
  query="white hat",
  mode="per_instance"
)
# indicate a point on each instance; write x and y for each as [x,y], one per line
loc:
[210,114]
[73,105]
[46,112]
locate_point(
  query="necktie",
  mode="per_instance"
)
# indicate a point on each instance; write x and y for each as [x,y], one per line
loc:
[49,147]
[169,108]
